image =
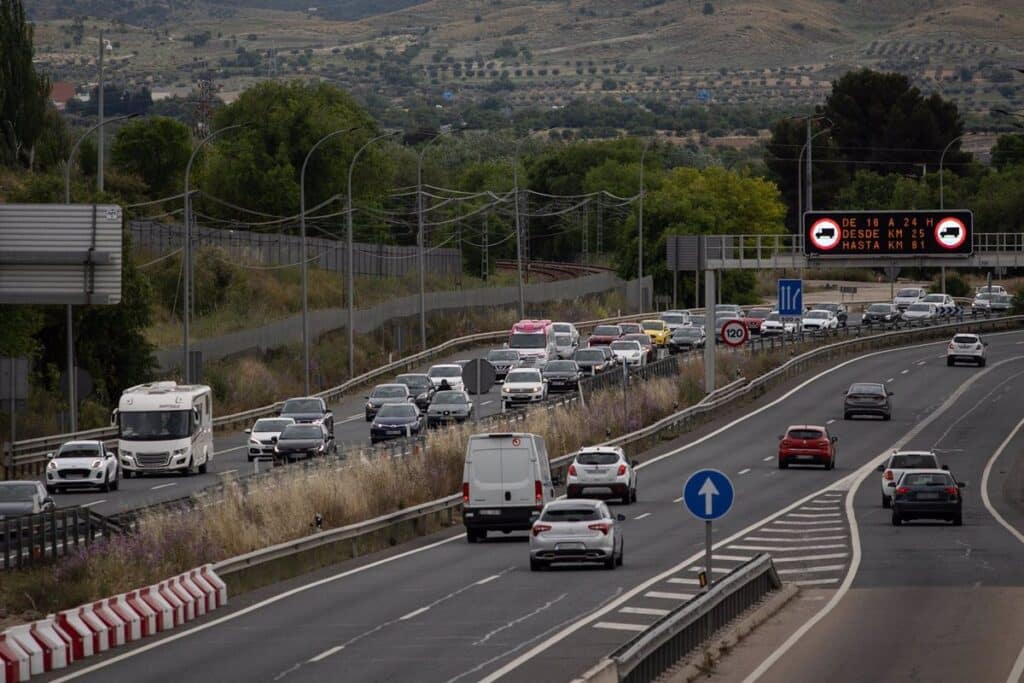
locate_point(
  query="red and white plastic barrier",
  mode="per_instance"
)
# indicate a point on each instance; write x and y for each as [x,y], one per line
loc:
[70,635]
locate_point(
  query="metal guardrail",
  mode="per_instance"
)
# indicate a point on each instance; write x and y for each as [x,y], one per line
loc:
[685,628]
[28,540]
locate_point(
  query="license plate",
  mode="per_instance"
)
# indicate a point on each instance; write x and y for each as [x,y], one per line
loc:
[805,457]
[569,546]
[490,512]
[927,496]
[394,431]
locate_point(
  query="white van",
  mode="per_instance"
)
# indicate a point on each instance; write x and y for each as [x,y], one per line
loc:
[506,482]
[165,427]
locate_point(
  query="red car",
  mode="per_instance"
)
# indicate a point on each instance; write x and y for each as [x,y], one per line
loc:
[807,445]
[756,316]
[603,335]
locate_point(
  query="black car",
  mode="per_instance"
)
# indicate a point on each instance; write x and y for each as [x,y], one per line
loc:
[592,361]
[686,339]
[396,421]
[865,398]
[839,309]
[880,314]
[309,410]
[562,375]
[420,388]
[503,360]
[385,394]
[300,441]
[928,494]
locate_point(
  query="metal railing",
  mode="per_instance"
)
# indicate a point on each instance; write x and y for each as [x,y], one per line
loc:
[681,631]
[29,540]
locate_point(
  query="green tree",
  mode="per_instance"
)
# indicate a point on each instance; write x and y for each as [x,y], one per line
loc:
[24,94]
[156,150]
[1008,151]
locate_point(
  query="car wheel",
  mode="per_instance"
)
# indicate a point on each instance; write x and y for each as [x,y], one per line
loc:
[981,363]
[205,466]
[782,464]
[887,417]
[896,519]
[51,490]
[106,484]
[117,482]
[537,565]
[847,416]
[886,501]
[958,520]
[632,494]
[949,362]
[610,563]
[628,498]
[127,474]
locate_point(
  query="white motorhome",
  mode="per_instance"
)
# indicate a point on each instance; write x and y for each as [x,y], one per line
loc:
[165,427]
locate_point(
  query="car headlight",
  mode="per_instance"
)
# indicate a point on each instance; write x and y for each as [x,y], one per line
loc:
[277,449]
[52,465]
[96,464]
[376,425]
[369,406]
[254,442]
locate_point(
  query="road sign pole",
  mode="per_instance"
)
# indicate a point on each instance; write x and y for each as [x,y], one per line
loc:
[709,331]
[707,554]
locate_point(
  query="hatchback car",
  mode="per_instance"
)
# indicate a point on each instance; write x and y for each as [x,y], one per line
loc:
[898,463]
[686,339]
[446,373]
[304,441]
[819,320]
[650,352]
[776,325]
[602,471]
[23,498]
[657,330]
[755,318]
[881,314]
[867,398]
[384,394]
[576,531]
[982,302]
[604,335]
[562,375]
[807,445]
[420,387]
[945,305]
[921,312]
[591,361]
[82,464]
[838,309]
[398,421]
[449,406]
[928,494]
[908,295]
[966,347]
[264,434]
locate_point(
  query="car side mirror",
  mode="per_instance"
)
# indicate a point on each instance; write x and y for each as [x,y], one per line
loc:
[49,456]
[889,393]
[891,484]
[113,418]
[880,468]
[248,431]
[367,398]
[962,484]
[634,463]
[620,517]
[109,454]
[835,439]
[946,467]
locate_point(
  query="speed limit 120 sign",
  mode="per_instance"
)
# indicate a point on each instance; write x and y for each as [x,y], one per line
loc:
[735,333]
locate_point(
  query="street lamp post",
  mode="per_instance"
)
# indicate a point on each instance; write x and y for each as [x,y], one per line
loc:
[942,158]
[72,389]
[640,224]
[799,177]
[302,251]
[350,265]
[421,239]
[187,298]
[519,234]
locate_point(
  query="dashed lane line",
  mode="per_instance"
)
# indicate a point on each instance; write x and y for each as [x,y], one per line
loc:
[784,549]
[684,582]
[326,653]
[163,486]
[616,626]
[743,471]
[805,539]
[643,516]
[646,611]
[662,595]
[413,614]
[91,503]
[812,558]
[815,582]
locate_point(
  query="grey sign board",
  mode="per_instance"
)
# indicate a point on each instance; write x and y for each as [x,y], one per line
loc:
[684,252]
[60,253]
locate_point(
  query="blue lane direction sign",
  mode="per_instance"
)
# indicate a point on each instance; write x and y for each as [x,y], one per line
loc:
[708,494]
[791,297]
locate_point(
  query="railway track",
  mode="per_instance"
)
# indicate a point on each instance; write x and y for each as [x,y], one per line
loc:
[551,271]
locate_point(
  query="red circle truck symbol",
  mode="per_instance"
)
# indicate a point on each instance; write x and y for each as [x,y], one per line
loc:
[950,232]
[825,233]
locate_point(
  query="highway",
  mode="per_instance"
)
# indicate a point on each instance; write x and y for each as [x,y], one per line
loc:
[443,610]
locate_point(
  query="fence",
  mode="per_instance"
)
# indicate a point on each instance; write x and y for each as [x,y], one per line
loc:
[242,246]
[31,539]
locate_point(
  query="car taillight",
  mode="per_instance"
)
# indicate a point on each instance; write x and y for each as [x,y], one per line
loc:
[465,492]
[977,347]
[538,491]
[953,491]
[786,443]
[600,526]
[572,470]
[823,442]
[888,475]
[622,469]
[952,345]
[538,529]
[902,490]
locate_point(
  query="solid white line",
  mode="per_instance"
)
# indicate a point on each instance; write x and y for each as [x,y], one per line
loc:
[813,515]
[743,471]
[769,539]
[811,558]
[326,653]
[823,521]
[800,531]
[355,415]
[90,504]
[830,421]
[643,516]
[227,472]
[815,582]
[163,486]
[488,579]
[813,570]
[770,457]
[648,611]
[784,549]
[668,596]
[732,558]
[414,613]
[614,626]
[685,582]
[228,450]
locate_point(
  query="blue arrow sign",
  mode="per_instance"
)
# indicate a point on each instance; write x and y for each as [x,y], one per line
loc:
[791,297]
[708,494]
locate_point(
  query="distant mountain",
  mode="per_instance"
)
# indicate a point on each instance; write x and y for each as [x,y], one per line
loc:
[146,12]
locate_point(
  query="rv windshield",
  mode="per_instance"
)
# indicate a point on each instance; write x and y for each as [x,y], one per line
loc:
[156,425]
[528,341]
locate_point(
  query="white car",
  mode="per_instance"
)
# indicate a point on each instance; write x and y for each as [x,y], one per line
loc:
[908,295]
[82,464]
[966,347]
[921,312]
[898,463]
[990,289]
[819,320]
[775,325]
[982,302]
[450,372]
[523,385]
[944,303]
[675,319]
[569,329]
[264,434]
[601,471]
[627,351]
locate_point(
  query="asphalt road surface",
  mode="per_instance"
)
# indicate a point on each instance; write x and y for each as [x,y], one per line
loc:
[443,610]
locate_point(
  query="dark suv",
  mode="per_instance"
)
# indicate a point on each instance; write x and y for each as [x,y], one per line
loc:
[866,398]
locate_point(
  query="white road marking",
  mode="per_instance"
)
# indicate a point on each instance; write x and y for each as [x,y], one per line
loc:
[770,457]
[643,516]
[890,379]
[823,521]
[818,507]
[414,613]
[812,558]
[903,372]
[488,579]
[743,471]
[830,421]
[733,558]
[228,450]
[813,570]
[326,653]
[668,596]
[677,500]
[90,504]
[351,419]
[227,472]
[922,362]
[799,531]
[615,626]
[784,549]
[487,403]
[803,539]
[813,515]
[685,582]
[163,486]
[816,582]
[648,611]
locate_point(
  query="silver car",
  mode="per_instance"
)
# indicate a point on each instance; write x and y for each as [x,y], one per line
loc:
[449,406]
[82,464]
[576,531]
[503,360]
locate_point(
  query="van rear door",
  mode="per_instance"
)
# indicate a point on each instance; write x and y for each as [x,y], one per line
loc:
[485,473]
[518,472]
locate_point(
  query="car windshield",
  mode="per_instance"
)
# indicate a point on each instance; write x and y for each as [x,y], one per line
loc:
[641,339]
[302,405]
[760,313]
[415,382]
[965,339]
[632,328]
[155,425]
[828,307]
[567,514]
[390,391]
[445,371]
[654,325]
[599,458]
[878,308]
[1002,298]
[673,319]
[934,298]
[522,376]
[528,341]
[502,354]
[78,451]
[625,346]
[17,492]
[399,410]
[687,332]
[927,479]
[984,297]
[727,307]
[450,397]
[921,461]
[270,425]
[919,307]
[804,434]
[816,314]
[562,327]
[774,317]
[607,331]
[560,366]
[301,432]
[697,320]
[589,356]
[908,292]
[563,340]
[866,389]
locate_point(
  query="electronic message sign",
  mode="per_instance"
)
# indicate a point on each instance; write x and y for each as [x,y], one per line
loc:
[853,234]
